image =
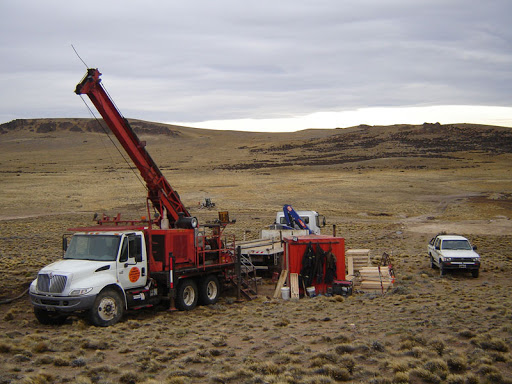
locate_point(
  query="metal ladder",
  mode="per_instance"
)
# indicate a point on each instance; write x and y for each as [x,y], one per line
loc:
[248,278]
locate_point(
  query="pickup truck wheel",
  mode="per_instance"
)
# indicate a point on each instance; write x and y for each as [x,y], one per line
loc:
[107,310]
[210,290]
[186,299]
[442,272]
[49,318]
[475,273]
[432,264]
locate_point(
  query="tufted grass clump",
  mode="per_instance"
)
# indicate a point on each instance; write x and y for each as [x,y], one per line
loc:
[425,375]
[457,364]
[490,343]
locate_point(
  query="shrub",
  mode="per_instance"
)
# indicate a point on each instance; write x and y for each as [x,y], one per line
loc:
[378,346]
[5,348]
[437,366]
[493,343]
[401,378]
[335,372]
[348,362]
[487,370]
[455,379]
[438,346]
[129,378]
[41,378]
[78,362]
[456,364]
[318,379]
[467,334]
[425,375]
[344,348]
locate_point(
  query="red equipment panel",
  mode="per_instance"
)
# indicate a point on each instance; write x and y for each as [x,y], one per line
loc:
[179,242]
[295,248]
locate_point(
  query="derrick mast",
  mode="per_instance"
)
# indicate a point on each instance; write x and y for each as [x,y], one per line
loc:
[163,197]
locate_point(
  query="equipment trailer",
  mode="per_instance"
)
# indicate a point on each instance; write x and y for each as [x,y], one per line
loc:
[119,265]
[267,251]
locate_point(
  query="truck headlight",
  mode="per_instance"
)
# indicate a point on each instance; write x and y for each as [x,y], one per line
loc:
[447,259]
[80,291]
[32,288]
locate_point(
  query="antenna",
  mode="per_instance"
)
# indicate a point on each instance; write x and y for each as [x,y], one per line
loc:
[79,56]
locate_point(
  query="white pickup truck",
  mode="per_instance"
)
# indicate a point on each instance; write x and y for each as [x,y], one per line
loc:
[453,252]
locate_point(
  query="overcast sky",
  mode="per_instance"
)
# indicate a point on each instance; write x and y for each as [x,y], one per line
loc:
[242,65]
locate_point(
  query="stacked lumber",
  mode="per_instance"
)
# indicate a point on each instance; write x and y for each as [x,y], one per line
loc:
[376,278]
[355,260]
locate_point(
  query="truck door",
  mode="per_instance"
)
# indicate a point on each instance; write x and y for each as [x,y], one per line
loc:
[132,265]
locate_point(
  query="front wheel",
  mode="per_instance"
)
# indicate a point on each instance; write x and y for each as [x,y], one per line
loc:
[475,273]
[442,271]
[107,310]
[432,264]
[187,295]
[49,318]
[210,290]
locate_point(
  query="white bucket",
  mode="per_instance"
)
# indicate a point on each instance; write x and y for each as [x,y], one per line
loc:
[285,293]
[311,291]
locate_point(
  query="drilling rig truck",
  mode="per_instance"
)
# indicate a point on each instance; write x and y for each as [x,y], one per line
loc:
[118,264]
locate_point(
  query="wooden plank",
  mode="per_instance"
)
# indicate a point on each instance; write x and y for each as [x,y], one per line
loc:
[375,285]
[357,252]
[294,285]
[350,265]
[350,278]
[280,283]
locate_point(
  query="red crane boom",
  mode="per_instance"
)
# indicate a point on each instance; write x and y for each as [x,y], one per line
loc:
[160,193]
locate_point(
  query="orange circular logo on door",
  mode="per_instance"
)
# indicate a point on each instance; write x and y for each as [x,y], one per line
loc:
[134,274]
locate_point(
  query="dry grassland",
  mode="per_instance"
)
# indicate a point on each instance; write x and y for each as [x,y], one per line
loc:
[388,189]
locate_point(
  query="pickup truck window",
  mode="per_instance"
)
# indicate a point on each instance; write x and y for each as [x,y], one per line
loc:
[93,247]
[462,245]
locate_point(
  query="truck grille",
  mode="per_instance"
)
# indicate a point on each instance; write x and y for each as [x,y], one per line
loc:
[51,283]
[462,260]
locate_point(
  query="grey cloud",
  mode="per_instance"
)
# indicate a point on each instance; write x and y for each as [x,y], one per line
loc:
[203,60]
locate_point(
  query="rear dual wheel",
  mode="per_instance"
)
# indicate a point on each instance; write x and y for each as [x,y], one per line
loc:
[189,295]
[210,290]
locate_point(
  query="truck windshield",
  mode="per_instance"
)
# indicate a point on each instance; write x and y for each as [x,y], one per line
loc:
[457,245]
[93,247]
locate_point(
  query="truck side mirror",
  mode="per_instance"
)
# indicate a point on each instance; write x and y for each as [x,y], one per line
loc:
[474,247]
[438,247]
[64,243]
[324,222]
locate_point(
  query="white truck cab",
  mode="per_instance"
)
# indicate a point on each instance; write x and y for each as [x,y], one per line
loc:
[96,271]
[312,219]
